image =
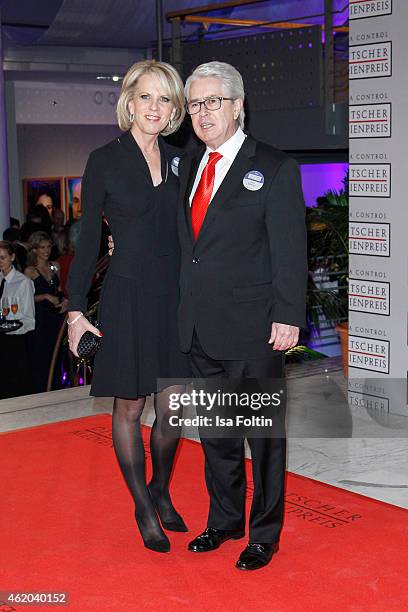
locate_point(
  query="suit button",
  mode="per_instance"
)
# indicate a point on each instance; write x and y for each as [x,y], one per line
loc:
[196,260]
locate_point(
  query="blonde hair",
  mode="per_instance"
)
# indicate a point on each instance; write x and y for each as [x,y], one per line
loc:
[34,242]
[169,78]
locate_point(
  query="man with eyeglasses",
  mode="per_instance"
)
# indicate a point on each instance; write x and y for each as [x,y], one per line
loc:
[243,287]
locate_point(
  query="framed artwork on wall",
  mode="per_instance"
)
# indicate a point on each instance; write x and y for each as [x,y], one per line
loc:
[73,209]
[47,191]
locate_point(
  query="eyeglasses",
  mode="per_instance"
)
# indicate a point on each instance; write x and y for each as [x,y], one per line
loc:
[212,103]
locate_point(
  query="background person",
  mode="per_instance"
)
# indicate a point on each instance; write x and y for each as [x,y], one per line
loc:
[57,218]
[50,304]
[16,291]
[67,245]
[14,223]
[13,235]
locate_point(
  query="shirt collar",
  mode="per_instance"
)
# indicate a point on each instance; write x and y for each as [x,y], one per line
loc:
[9,277]
[230,147]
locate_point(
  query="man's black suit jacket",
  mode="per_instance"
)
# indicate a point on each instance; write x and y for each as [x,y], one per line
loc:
[248,267]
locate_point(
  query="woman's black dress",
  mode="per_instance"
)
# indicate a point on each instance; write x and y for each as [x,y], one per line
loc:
[139,297]
[41,341]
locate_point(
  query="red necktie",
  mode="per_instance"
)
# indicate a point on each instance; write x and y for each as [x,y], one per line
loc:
[202,196]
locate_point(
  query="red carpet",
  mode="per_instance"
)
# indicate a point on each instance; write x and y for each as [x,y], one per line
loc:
[67,525]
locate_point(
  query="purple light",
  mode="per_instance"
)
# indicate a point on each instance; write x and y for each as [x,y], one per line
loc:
[319,178]
[81,381]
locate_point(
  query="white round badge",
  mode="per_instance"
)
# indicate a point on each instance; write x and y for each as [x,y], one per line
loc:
[253,180]
[175,165]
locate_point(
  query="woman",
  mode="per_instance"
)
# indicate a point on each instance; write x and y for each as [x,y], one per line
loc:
[16,291]
[132,181]
[49,306]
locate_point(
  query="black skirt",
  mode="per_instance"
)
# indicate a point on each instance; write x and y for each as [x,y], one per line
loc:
[140,342]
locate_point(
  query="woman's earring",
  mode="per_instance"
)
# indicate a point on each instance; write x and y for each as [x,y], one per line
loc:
[131,117]
[170,124]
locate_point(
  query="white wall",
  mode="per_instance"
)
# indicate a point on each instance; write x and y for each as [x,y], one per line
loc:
[56,126]
[59,150]
[65,103]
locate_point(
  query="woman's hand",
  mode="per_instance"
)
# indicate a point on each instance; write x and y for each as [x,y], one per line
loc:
[76,330]
[63,305]
[55,301]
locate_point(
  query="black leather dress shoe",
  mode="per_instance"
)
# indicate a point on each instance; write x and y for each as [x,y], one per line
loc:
[211,539]
[256,556]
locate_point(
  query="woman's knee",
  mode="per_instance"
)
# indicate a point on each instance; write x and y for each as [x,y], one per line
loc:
[168,401]
[128,409]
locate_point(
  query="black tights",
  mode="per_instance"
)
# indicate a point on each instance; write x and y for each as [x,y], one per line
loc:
[128,445]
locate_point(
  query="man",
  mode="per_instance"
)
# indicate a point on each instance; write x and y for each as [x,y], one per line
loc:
[243,285]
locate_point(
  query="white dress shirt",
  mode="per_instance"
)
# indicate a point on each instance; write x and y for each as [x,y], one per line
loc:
[229,151]
[21,287]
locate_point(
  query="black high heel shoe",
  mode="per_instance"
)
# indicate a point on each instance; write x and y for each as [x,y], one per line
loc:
[161,545]
[176,524]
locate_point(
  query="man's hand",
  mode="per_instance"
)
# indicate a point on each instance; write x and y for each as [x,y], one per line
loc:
[111,245]
[283,337]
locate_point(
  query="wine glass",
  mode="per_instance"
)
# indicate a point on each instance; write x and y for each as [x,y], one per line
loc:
[14,305]
[5,307]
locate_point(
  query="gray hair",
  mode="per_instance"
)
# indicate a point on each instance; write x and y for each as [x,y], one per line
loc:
[230,77]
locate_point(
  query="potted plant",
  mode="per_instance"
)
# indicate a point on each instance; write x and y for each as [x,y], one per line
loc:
[328,261]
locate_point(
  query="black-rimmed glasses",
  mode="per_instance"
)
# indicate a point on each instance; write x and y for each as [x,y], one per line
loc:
[211,103]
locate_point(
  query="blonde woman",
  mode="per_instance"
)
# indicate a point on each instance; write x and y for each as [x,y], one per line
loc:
[133,181]
[50,305]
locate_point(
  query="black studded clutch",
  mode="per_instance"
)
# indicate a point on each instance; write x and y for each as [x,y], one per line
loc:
[88,345]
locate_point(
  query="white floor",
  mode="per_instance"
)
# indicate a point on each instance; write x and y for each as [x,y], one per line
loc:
[328,440]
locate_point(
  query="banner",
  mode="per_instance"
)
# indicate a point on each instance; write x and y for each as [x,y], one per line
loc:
[378,129]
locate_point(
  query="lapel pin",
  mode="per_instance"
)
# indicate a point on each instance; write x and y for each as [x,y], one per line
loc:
[253,180]
[175,165]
